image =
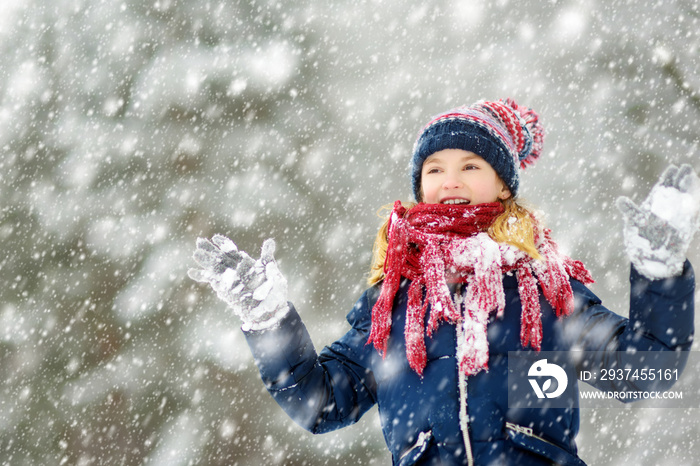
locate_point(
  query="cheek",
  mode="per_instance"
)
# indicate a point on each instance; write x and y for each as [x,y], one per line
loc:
[427,192]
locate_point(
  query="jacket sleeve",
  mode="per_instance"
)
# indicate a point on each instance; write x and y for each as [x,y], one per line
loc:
[319,392]
[661,319]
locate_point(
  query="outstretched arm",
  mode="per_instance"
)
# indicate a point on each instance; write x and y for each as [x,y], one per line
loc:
[319,392]
[661,317]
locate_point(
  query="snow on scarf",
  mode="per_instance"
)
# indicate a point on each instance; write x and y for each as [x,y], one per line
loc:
[433,244]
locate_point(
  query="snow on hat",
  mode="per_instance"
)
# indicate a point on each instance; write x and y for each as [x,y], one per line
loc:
[509,137]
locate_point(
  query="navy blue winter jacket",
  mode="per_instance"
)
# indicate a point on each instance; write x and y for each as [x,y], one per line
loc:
[420,416]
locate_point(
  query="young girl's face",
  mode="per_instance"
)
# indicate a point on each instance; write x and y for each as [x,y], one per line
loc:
[455,176]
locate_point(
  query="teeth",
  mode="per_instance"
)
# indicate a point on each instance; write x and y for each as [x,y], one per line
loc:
[456,201]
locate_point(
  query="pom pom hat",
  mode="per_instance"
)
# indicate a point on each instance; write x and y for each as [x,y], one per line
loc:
[509,137]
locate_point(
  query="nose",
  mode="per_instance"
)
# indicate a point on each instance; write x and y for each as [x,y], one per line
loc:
[452,181]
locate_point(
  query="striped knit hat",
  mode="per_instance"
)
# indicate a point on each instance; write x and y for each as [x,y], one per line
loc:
[506,135]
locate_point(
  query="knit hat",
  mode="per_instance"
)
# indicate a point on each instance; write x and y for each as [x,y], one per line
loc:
[509,137]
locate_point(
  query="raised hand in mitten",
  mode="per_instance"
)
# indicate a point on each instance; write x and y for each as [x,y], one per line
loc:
[254,289]
[658,232]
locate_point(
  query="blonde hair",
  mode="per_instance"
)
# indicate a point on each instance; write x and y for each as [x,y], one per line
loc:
[515,226]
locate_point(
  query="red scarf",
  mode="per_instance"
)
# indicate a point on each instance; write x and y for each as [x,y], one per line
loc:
[433,244]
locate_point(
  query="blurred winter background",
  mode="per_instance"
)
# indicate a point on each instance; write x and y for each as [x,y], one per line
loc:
[130,128]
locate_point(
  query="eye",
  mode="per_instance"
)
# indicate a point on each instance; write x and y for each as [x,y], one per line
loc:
[471,166]
[432,170]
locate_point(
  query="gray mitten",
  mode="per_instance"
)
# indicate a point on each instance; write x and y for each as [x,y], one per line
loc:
[254,289]
[659,231]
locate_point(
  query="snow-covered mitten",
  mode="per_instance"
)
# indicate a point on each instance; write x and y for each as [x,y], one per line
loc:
[658,232]
[254,289]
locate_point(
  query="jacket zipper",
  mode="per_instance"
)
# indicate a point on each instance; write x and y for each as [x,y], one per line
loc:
[463,414]
[527,431]
[423,437]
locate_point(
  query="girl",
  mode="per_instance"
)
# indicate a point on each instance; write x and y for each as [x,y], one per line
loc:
[459,280]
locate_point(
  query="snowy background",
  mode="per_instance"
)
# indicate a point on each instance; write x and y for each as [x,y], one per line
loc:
[130,128]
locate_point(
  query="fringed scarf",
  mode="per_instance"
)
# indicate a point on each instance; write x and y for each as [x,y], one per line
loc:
[433,244]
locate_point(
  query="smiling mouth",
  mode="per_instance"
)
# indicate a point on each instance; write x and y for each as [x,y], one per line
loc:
[455,201]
